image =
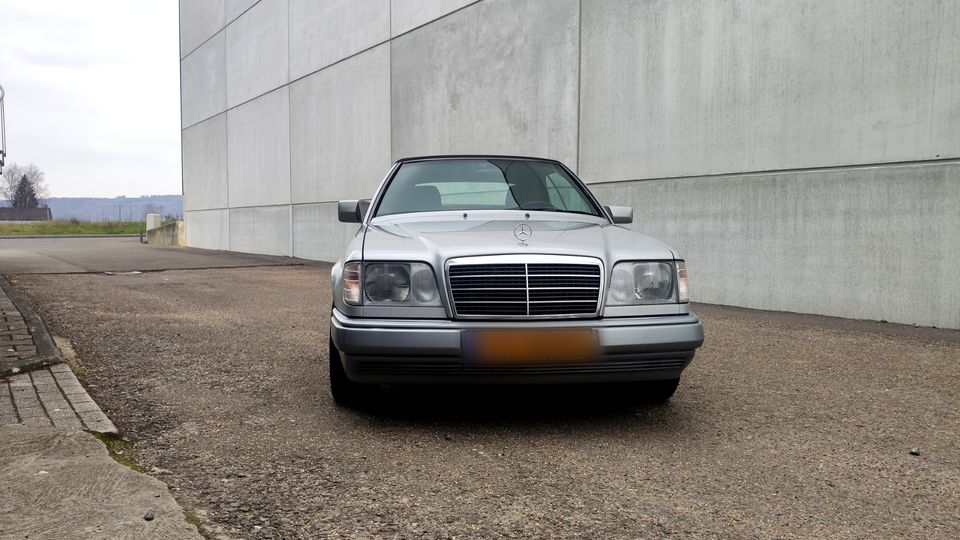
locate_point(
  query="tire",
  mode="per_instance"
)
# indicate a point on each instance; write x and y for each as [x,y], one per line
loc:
[662,391]
[654,392]
[345,392]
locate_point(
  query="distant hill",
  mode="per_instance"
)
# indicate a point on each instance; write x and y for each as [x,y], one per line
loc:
[105,209]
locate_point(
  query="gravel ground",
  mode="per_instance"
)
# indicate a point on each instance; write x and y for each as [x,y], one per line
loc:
[784,425]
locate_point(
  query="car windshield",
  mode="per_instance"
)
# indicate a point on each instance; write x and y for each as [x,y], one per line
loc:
[483,184]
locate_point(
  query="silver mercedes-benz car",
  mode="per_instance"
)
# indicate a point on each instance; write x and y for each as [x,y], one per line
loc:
[497,269]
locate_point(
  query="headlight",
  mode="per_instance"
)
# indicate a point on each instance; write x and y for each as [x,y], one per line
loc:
[653,282]
[405,284]
[386,283]
[425,291]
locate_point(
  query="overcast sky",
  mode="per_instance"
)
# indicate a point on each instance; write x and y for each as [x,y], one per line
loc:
[93,94]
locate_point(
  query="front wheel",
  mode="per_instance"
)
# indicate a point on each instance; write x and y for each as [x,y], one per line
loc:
[344,391]
[655,391]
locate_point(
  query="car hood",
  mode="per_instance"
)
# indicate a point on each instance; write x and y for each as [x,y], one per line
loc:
[437,236]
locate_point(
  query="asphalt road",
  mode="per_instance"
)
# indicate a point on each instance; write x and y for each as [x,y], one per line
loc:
[784,425]
[53,255]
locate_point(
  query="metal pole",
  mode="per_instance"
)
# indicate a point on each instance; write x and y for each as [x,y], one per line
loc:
[3,132]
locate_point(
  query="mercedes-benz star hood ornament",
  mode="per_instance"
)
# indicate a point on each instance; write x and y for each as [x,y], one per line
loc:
[523,232]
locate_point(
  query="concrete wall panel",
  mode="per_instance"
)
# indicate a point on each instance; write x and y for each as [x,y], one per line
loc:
[257,59]
[317,234]
[207,229]
[340,129]
[498,77]
[264,230]
[676,107]
[691,88]
[199,20]
[405,15]
[258,151]
[322,33]
[867,243]
[203,85]
[235,8]
[205,164]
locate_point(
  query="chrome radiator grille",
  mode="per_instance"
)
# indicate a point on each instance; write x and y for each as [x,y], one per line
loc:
[527,289]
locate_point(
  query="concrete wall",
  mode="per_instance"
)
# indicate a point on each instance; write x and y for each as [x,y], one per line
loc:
[336,107]
[696,88]
[804,155]
[25,214]
[207,229]
[849,242]
[169,235]
[489,79]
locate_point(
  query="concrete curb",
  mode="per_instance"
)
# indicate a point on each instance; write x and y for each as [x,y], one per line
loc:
[41,390]
[51,396]
[47,352]
[62,483]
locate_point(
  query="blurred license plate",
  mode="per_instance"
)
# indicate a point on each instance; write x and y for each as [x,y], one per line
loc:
[533,346]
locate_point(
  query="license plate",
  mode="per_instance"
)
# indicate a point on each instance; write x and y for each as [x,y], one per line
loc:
[533,346]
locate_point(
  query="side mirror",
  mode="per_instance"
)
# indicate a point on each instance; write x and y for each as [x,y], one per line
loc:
[621,214]
[352,211]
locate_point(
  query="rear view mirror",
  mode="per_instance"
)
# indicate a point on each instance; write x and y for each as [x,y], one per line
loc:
[352,211]
[621,214]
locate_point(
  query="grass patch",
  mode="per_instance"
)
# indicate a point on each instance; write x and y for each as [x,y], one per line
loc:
[70,356]
[56,227]
[76,368]
[195,520]
[120,450]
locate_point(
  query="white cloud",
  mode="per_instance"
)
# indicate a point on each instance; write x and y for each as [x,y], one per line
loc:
[93,93]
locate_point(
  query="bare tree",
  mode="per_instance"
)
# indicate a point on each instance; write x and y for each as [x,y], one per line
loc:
[13,173]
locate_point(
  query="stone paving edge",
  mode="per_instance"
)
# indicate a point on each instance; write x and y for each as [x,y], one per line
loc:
[47,352]
[51,396]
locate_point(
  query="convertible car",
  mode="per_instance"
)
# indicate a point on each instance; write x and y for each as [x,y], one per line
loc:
[507,270]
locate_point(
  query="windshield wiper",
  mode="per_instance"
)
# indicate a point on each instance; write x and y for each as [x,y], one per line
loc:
[554,209]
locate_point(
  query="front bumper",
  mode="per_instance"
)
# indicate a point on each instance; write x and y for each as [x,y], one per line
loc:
[421,351]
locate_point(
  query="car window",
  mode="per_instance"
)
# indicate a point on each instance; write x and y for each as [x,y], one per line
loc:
[564,194]
[483,184]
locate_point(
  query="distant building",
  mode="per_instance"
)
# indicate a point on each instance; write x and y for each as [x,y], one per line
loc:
[25,214]
[803,155]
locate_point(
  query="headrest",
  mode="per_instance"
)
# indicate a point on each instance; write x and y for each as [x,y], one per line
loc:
[425,198]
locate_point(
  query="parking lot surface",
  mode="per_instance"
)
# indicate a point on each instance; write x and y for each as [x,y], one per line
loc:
[783,426]
[53,255]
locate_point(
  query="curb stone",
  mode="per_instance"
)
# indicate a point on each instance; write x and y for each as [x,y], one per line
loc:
[36,387]
[51,396]
[40,392]
[43,352]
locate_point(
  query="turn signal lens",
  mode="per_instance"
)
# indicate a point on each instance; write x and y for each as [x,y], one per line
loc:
[683,291]
[351,283]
